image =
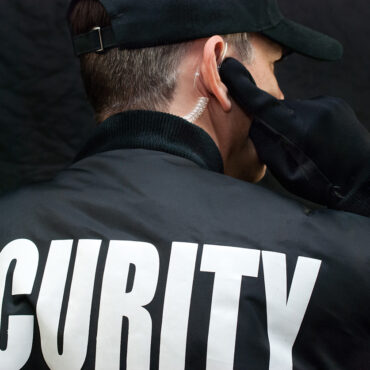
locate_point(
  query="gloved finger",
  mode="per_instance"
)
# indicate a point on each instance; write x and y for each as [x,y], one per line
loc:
[252,99]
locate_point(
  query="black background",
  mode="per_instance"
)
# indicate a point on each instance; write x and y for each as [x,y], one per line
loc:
[45,118]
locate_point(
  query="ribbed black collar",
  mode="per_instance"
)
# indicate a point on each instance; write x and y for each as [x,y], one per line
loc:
[155,131]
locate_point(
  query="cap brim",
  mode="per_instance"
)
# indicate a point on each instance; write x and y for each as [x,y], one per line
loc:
[305,41]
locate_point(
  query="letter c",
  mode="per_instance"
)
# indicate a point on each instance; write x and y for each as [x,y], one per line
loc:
[20,331]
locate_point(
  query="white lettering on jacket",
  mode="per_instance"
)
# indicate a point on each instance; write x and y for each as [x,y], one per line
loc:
[285,315]
[49,305]
[20,329]
[285,312]
[229,265]
[115,303]
[177,305]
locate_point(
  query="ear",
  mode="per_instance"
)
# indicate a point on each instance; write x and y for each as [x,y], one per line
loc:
[212,54]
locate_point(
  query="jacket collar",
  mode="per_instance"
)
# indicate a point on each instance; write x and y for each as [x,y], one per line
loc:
[155,131]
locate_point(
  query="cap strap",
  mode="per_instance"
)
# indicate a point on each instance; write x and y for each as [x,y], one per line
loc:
[97,40]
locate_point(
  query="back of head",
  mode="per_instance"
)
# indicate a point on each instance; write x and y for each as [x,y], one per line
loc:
[129,79]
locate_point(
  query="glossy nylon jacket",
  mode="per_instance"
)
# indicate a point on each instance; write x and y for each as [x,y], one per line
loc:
[144,255]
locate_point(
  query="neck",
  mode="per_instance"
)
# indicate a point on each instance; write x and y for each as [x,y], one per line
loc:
[230,133]
[213,120]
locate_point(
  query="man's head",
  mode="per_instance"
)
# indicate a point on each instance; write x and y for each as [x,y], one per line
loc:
[171,76]
[129,79]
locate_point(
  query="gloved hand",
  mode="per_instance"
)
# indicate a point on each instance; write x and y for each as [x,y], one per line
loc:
[317,149]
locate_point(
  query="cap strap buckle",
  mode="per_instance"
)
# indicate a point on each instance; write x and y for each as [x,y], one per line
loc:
[97,40]
[100,39]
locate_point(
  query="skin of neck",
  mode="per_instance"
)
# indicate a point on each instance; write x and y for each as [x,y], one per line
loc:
[223,119]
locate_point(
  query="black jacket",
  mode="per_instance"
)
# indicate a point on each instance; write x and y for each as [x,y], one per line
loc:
[144,255]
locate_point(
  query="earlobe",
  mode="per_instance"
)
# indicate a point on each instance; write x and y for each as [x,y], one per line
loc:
[213,53]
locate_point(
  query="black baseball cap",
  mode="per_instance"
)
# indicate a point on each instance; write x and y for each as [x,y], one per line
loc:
[146,23]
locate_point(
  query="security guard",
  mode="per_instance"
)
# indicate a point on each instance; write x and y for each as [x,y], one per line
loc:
[156,249]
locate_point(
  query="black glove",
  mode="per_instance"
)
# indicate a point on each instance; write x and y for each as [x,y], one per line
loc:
[317,149]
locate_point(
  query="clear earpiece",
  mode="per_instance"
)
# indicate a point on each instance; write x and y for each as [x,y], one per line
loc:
[203,101]
[223,55]
[198,110]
